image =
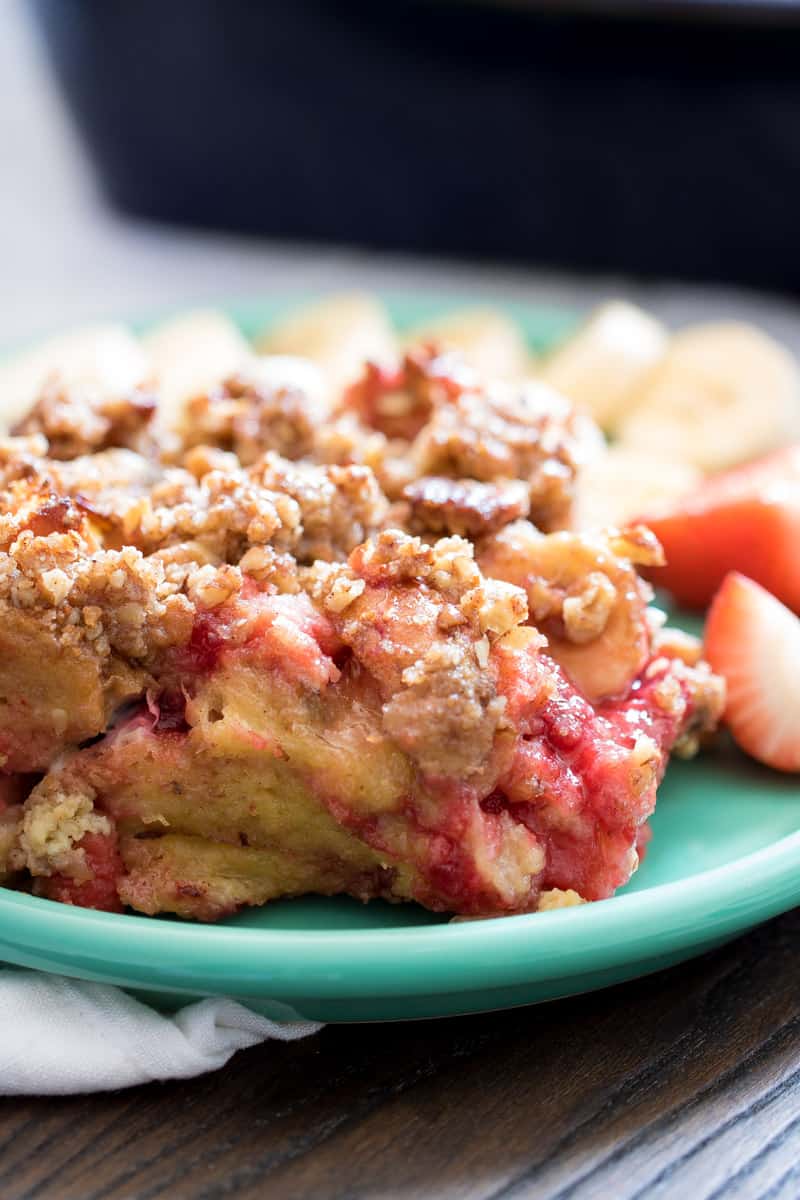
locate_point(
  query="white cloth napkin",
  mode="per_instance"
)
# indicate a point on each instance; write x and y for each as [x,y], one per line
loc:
[60,1036]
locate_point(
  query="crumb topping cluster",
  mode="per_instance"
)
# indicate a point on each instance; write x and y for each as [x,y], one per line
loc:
[119,548]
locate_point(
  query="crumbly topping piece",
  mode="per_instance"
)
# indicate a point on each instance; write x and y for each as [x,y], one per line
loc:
[689,693]
[447,568]
[250,415]
[219,515]
[21,458]
[117,600]
[420,617]
[111,488]
[437,504]
[345,441]
[676,643]
[112,471]
[448,565]
[77,420]
[339,507]
[504,433]
[107,488]
[447,713]
[587,606]
[495,607]
[268,566]
[637,545]
[54,822]
[399,400]
[181,541]
[555,898]
[436,418]
[27,506]
[281,419]
[646,765]
[202,458]
[209,586]
[213,508]
[706,704]
[342,591]
[226,512]
[10,822]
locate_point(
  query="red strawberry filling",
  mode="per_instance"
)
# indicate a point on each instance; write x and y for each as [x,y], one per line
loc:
[98,887]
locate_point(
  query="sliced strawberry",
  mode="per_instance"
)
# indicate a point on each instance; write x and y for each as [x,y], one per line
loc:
[747,519]
[753,641]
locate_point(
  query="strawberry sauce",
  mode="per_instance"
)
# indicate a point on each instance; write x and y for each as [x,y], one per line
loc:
[99,891]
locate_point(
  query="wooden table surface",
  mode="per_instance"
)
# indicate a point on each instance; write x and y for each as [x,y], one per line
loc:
[684,1084]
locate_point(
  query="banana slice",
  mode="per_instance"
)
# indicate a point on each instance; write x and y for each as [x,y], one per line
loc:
[723,393]
[104,358]
[600,366]
[491,342]
[622,484]
[190,354]
[339,334]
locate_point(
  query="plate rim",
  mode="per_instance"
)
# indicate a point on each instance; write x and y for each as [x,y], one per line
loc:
[457,957]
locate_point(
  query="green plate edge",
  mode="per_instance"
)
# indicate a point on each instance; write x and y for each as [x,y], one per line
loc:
[734,828]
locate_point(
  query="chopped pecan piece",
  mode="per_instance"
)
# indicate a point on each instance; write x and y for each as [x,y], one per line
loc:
[464,506]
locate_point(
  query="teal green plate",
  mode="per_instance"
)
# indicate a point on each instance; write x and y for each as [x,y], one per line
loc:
[725,856]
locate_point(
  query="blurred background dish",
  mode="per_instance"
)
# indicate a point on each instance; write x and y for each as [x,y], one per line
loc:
[70,258]
[646,137]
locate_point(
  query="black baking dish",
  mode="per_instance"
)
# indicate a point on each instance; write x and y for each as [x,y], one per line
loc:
[527,132]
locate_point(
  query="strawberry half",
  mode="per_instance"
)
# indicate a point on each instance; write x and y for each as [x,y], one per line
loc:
[753,641]
[747,519]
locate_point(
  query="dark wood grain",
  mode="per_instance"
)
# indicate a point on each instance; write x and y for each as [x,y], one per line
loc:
[684,1084]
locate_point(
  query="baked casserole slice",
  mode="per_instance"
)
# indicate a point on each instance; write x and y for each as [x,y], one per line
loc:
[341,644]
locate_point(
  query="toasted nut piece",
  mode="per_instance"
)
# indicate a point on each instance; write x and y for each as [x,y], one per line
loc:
[464,506]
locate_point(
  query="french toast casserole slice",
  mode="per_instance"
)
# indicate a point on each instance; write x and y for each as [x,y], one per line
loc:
[348,645]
